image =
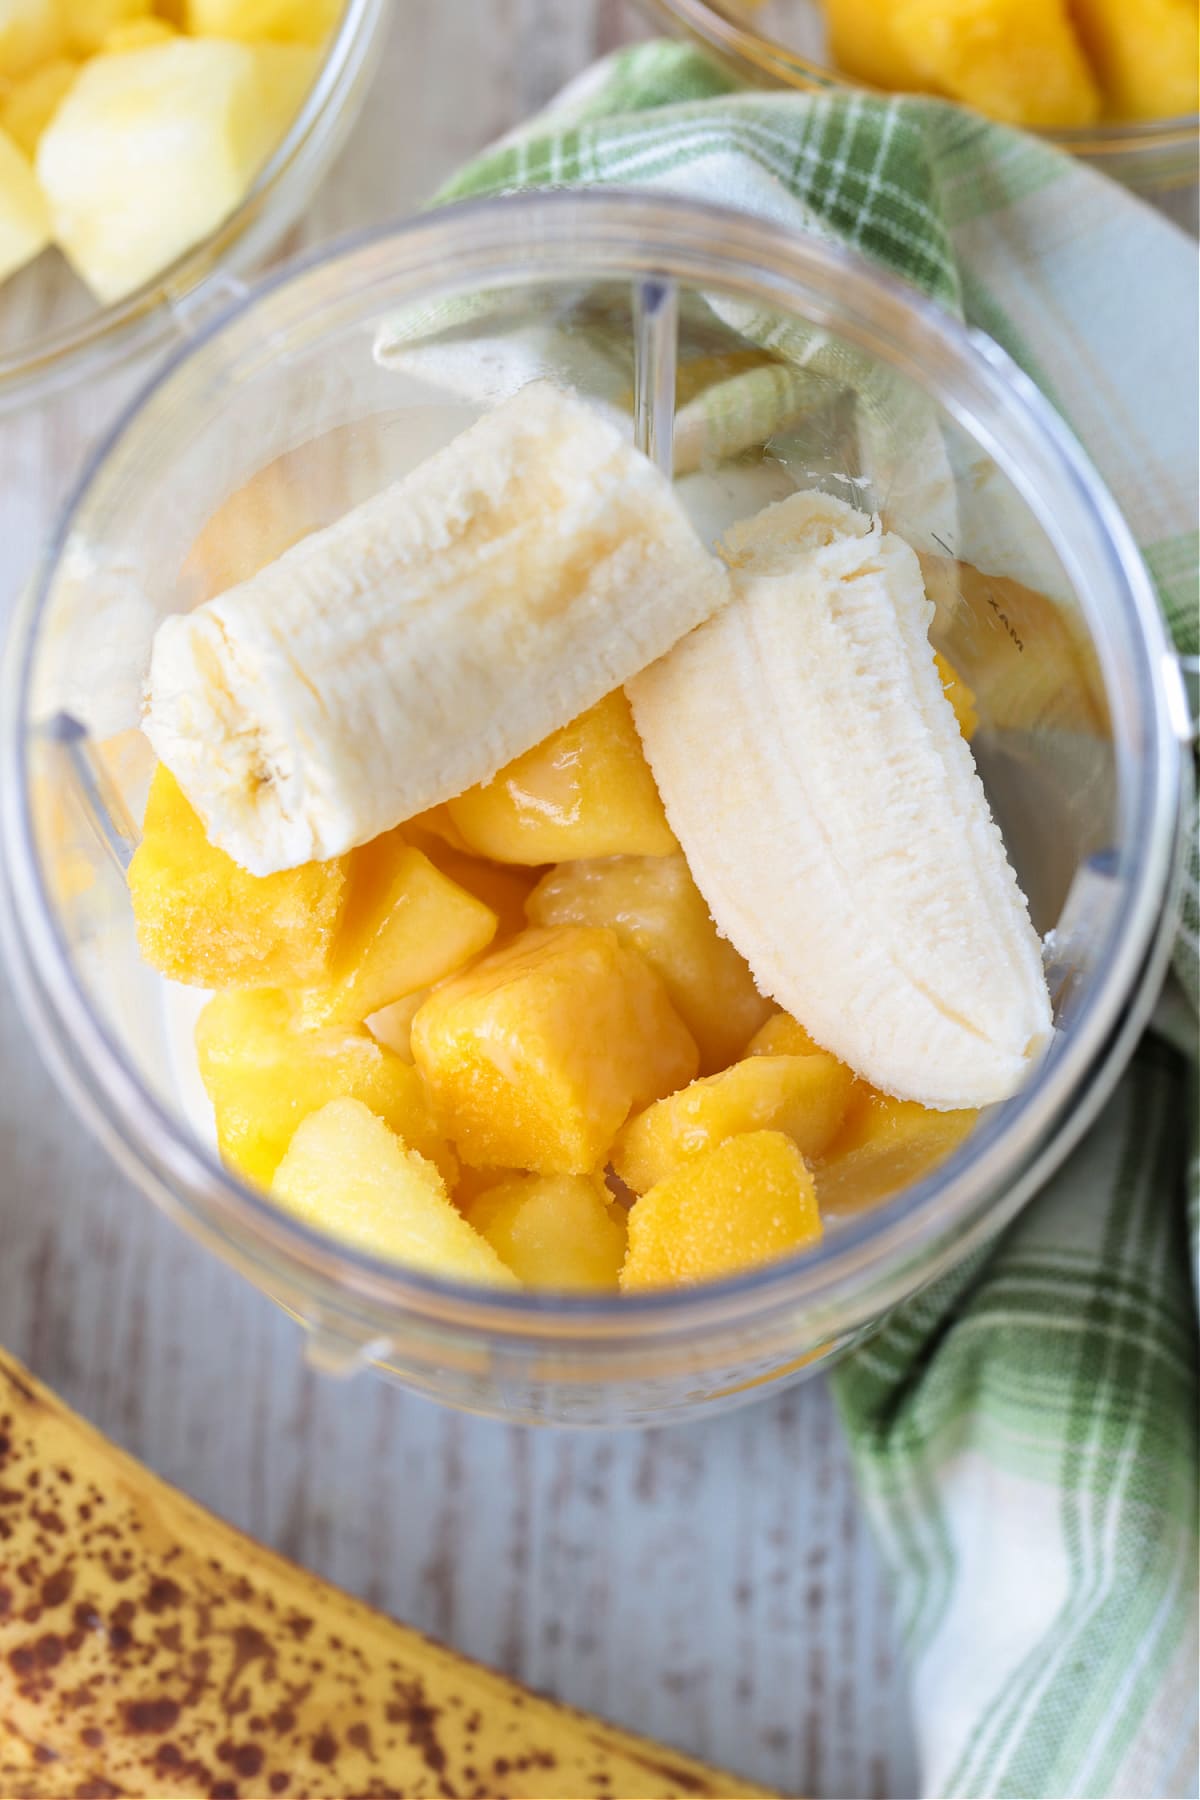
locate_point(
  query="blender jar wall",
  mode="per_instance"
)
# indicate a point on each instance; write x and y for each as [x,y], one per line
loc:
[299,404]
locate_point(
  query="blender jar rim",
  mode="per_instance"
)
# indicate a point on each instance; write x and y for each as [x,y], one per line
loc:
[517,241]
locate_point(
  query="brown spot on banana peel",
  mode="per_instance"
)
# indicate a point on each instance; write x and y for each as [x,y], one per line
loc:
[192,1660]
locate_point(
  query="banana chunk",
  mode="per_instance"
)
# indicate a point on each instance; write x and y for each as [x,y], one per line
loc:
[832,816]
[435,632]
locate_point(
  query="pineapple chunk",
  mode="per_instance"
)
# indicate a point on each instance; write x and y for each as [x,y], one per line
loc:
[783,1036]
[1145,56]
[883,1146]
[655,908]
[405,926]
[286,21]
[1017,60]
[28,105]
[805,1097]
[392,1025]
[24,221]
[960,696]
[586,790]
[535,1057]
[746,1202]
[346,1174]
[89,22]
[554,1231]
[264,1075]
[204,921]
[31,32]
[153,148]
[502,886]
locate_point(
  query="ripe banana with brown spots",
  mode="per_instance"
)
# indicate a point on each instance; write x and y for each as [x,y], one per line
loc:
[147,1648]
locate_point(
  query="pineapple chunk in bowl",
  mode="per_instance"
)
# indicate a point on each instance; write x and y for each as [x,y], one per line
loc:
[149,152]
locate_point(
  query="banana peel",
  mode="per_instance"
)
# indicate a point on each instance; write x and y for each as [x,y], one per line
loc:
[147,1648]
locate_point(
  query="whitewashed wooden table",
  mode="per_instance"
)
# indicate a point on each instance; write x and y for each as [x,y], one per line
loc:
[711,1585]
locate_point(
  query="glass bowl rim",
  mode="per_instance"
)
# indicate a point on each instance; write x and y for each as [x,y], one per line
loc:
[511,242]
[767,56]
[110,334]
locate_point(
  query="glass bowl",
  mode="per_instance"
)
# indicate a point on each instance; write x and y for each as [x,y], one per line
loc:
[53,333]
[337,376]
[1154,156]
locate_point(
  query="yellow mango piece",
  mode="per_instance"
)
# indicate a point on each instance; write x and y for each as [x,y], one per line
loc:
[347,1174]
[554,1231]
[405,926]
[31,32]
[28,104]
[864,43]
[535,1056]
[805,1097]
[1146,56]
[264,1074]
[135,34]
[284,21]
[24,221]
[203,920]
[655,908]
[783,1036]
[885,1145]
[960,696]
[1017,60]
[586,790]
[748,1201]
[90,22]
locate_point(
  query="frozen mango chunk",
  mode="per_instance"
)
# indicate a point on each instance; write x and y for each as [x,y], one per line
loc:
[136,34]
[805,1097]
[203,920]
[264,1075]
[554,1231]
[392,1025]
[284,21]
[748,1201]
[864,43]
[1017,60]
[405,926]
[502,886]
[655,907]
[535,1056]
[783,1036]
[347,1174]
[885,1145]
[1146,56]
[28,105]
[90,22]
[586,790]
[960,696]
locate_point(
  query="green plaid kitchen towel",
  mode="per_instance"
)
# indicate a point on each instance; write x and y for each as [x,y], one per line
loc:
[1025,1431]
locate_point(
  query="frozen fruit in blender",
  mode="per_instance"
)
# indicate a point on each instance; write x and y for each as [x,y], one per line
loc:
[89,23]
[203,921]
[553,1231]
[345,1172]
[782,1036]
[746,1202]
[264,1074]
[885,1144]
[31,31]
[805,1097]
[28,104]
[655,908]
[24,221]
[1146,56]
[284,21]
[536,1055]
[584,791]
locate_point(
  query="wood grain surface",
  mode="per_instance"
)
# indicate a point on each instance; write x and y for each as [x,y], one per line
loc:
[711,1585]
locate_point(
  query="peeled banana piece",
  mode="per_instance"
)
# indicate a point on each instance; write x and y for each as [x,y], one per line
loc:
[832,816]
[146,1648]
[429,636]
